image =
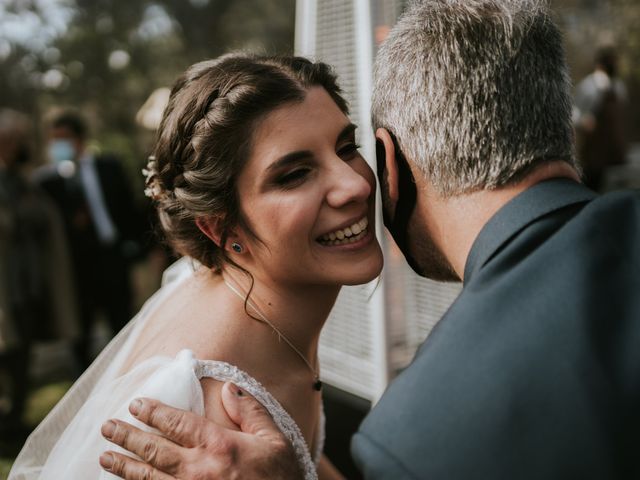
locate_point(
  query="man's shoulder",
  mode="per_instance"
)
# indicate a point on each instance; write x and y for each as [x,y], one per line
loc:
[608,226]
[521,348]
[620,203]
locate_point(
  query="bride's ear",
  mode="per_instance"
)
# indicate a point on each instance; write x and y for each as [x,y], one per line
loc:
[212,227]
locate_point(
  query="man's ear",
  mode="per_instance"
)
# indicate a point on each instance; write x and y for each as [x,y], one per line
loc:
[387,165]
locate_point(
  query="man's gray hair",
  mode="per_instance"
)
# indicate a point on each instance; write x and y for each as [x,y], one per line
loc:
[476,92]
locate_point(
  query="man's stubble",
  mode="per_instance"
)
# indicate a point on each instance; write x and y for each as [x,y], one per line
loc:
[407,228]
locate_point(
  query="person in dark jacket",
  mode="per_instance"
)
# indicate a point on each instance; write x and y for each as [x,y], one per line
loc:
[601,102]
[37,300]
[102,223]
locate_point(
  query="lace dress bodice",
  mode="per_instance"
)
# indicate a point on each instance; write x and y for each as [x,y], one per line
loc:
[225,372]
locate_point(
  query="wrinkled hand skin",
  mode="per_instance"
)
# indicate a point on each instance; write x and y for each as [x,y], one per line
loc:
[196,448]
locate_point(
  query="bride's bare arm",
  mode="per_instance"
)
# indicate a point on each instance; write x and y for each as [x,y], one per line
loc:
[196,447]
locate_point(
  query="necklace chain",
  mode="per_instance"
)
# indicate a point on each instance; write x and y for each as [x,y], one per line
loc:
[317,383]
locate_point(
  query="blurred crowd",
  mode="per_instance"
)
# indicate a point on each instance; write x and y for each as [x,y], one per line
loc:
[599,116]
[70,232]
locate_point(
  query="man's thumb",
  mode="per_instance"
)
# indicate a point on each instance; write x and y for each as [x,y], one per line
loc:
[246,412]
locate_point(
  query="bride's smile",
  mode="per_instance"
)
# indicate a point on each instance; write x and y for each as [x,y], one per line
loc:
[308,196]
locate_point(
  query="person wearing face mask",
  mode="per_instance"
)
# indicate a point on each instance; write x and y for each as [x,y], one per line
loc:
[36,297]
[103,227]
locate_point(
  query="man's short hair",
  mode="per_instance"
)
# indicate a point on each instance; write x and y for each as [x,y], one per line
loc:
[477,92]
[70,119]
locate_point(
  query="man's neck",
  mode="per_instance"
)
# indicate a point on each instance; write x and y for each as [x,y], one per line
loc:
[455,222]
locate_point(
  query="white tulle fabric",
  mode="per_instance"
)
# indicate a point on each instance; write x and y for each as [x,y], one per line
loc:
[68,443]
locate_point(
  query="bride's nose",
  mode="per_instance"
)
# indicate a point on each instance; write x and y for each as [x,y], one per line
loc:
[346,185]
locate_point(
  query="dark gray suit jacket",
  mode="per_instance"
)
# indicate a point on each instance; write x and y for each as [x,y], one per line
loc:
[534,372]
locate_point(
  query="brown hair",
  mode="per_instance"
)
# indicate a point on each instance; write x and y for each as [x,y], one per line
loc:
[205,139]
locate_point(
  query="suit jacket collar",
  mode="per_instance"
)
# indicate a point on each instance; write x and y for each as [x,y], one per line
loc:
[535,202]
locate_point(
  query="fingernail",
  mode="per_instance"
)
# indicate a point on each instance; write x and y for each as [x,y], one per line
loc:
[106,460]
[236,390]
[135,406]
[108,428]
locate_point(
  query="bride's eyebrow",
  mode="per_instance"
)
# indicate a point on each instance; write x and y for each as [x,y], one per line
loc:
[346,133]
[297,156]
[288,159]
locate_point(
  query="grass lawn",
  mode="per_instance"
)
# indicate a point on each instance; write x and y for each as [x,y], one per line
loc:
[5,465]
[40,402]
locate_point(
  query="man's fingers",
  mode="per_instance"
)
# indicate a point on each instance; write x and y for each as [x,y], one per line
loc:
[253,419]
[153,449]
[246,412]
[131,469]
[184,428]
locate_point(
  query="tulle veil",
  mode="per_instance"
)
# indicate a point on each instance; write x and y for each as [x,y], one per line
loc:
[70,434]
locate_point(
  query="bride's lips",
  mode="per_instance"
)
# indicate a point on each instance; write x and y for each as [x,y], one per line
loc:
[353,234]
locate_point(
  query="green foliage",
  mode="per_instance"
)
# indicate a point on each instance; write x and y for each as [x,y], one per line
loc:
[42,400]
[39,403]
[108,55]
[5,466]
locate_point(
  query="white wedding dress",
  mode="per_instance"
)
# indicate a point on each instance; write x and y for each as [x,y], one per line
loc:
[68,443]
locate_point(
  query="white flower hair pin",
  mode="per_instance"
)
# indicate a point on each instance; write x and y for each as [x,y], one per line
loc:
[153,185]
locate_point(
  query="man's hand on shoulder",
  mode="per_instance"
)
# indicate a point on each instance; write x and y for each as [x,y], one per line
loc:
[194,447]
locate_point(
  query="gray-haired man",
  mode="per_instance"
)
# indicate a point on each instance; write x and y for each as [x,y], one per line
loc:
[534,371]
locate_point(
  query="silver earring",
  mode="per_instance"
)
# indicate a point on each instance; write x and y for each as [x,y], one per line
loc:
[236,247]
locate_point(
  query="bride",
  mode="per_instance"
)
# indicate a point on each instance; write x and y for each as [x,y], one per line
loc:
[260,186]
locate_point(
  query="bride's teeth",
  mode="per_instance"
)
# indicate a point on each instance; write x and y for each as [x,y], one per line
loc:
[346,235]
[346,240]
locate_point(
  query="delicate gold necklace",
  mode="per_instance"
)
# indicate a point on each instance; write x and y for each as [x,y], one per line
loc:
[317,383]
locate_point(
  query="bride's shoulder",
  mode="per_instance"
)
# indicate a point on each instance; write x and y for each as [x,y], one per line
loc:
[192,314]
[179,270]
[200,381]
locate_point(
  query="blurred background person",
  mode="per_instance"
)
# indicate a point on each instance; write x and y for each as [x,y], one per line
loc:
[103,226]
[36,297]
[599,116]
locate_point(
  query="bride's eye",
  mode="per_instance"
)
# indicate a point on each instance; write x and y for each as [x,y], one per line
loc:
[348,151]
[293,178]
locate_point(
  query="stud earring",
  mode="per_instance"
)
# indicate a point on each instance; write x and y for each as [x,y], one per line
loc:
[236,247]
